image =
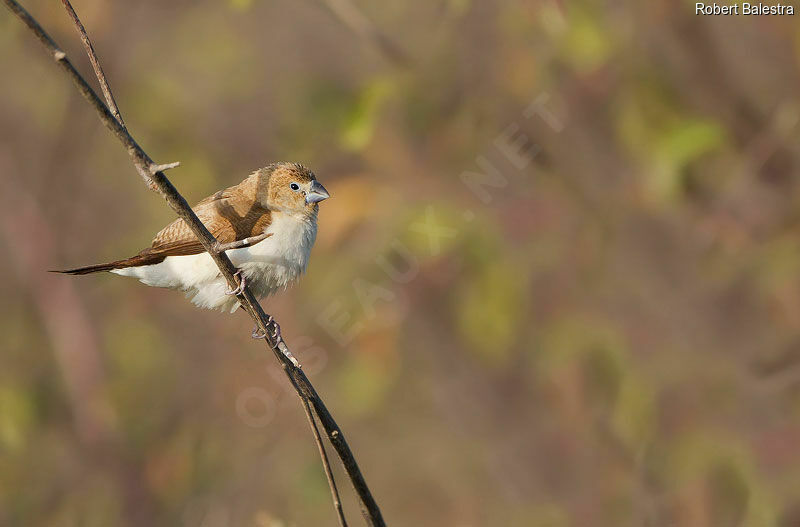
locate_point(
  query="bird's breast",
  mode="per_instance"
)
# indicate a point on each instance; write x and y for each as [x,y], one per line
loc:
[283,256]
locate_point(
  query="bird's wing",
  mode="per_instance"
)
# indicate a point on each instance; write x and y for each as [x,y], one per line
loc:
[226,214]
[220,217]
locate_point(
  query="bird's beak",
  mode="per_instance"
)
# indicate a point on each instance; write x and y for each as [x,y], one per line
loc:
[316,193]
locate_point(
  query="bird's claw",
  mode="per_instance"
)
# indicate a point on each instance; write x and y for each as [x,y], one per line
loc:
[257,334]
[276,332]
[242,284]
[276,335]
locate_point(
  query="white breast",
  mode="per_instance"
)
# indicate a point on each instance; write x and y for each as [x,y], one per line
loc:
[283,256]
[268,266]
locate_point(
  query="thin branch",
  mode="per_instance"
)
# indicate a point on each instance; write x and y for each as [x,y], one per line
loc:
[246,242]
[176,201]
[98,70]
[337,502]
[164,167]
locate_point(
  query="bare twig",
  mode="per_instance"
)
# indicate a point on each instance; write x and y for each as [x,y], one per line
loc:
[337,502]
[98,70]
[238,244]
[158,180]
[164,167]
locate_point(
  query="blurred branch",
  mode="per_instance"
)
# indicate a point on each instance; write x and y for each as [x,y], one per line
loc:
[73,338]
[25,227]
[349,14]
[154,176]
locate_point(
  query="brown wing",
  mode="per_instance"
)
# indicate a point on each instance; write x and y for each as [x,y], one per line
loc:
[221,216]
[230,215]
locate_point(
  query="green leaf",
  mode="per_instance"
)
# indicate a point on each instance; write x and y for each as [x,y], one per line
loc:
[689,140]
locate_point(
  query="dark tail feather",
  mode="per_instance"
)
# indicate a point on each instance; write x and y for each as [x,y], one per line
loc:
[91,268]
[146,257]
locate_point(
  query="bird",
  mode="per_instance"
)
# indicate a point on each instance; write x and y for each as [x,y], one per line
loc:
[267,225]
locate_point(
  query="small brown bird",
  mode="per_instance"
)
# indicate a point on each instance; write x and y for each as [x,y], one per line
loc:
[266,224]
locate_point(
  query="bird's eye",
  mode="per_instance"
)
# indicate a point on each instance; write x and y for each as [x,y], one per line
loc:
[294,186]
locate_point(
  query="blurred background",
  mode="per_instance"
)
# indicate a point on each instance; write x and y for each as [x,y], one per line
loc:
[558,283]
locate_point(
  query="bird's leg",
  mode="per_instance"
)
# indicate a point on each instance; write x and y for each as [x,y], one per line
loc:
[246,242]
[256,334]
[242,284]
[276,334]
[278,339]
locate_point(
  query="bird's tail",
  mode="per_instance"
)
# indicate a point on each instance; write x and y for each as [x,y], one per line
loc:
[88,269]
[144,258]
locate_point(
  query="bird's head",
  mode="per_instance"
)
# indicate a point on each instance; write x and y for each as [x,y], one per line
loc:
[291,188]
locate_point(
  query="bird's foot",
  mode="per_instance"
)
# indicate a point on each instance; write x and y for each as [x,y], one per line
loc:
[242,284]
[276,332]
[276,335]
[257,334]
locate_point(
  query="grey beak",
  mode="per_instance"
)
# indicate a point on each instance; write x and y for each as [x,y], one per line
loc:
[317,193]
